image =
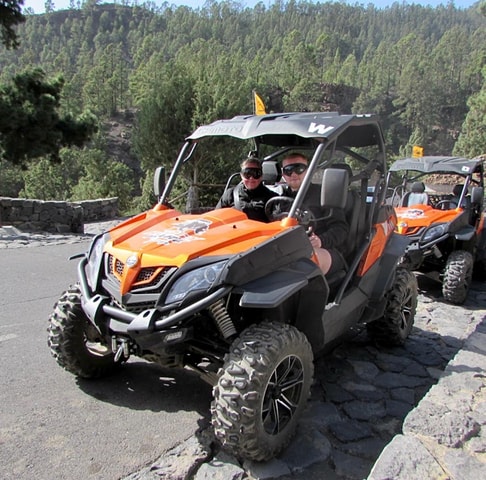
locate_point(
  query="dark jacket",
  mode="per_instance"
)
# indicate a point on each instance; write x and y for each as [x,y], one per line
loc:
[331,227]
[251,202]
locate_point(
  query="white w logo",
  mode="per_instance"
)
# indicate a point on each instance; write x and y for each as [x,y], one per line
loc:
[319,128]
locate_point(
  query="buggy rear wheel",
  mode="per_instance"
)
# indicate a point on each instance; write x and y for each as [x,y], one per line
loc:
[262,390]
[457,276]
[397,322]
[74,342]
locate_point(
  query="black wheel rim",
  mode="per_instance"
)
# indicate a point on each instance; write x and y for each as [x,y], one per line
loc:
[407,310]
[283,394]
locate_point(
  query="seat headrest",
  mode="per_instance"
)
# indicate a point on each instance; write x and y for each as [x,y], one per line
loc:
[457,190]
[418,187]
[272,173]
[344,166]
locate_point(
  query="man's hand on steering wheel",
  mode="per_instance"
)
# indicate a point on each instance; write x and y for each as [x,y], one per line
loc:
[315,241]
[279,207]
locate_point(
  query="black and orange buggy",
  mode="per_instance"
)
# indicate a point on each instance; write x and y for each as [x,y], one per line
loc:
[242,302]
[440,210]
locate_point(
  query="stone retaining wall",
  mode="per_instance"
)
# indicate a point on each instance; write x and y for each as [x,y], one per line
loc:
[53,216]
[444,437]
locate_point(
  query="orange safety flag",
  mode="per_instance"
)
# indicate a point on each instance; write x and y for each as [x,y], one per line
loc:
[417,151]
[259,105]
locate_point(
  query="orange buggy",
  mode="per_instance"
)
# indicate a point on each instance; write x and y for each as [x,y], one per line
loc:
[440,210]
[242,302]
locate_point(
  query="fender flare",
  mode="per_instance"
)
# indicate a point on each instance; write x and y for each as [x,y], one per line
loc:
[303,278]
[465,234]
[394,250]
[273,289]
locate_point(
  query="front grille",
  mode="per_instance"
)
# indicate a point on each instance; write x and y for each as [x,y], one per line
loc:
[150,277]
[145,290]
[145,274]
[114,268]
[413,230]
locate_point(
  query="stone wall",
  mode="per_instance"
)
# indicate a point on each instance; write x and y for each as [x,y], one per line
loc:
[444,437]
[53,216]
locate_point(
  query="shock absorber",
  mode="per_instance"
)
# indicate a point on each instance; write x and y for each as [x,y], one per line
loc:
[222,319]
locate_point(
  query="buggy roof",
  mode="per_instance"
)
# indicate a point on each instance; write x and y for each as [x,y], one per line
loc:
[437,164]
[297,129]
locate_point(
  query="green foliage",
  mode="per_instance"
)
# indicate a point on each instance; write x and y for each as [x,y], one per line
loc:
[147,199]
[165,117]
[11,181]
[106,83]
[104,178]
[10,16]
[415,66]
[80,175]
[45,180]
[30,123]
[472,140]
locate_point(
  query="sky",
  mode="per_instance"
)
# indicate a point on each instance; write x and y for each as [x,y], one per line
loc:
[38,5]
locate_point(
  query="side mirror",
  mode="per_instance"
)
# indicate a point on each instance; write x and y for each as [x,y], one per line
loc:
[477,196]
[334,188]
[159,181]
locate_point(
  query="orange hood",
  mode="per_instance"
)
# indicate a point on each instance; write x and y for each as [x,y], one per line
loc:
[168,238]
[412,219]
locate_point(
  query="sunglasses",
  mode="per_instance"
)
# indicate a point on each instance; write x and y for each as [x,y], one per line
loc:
[247,173]
[298,168]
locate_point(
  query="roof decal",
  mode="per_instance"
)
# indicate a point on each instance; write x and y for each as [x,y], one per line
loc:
[321,129]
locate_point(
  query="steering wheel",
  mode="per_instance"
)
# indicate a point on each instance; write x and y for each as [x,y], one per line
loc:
[450,205]
[278,207]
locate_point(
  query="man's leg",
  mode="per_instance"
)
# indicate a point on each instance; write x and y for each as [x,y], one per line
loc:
[324,258]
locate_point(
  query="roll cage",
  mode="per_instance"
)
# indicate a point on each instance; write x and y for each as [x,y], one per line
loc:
[327,137]
[415,169]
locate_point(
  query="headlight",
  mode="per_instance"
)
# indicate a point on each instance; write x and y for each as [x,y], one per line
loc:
[95,258]
[434,232]
[200,279]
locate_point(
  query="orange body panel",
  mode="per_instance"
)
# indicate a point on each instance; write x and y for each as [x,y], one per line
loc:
[168,238]
[378,244]
[411,219]
[480,225]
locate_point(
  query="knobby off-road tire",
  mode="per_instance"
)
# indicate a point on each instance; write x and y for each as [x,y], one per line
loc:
[457,276]
[397,322]
[262,390]
[74,342]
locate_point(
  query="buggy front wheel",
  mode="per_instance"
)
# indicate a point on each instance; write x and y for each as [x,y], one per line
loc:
[262,390]
[74,342]
[457,276]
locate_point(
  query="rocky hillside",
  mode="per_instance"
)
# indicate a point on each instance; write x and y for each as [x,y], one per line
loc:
[118,137]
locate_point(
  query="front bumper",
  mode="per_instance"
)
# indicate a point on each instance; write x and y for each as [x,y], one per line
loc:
[108,318]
